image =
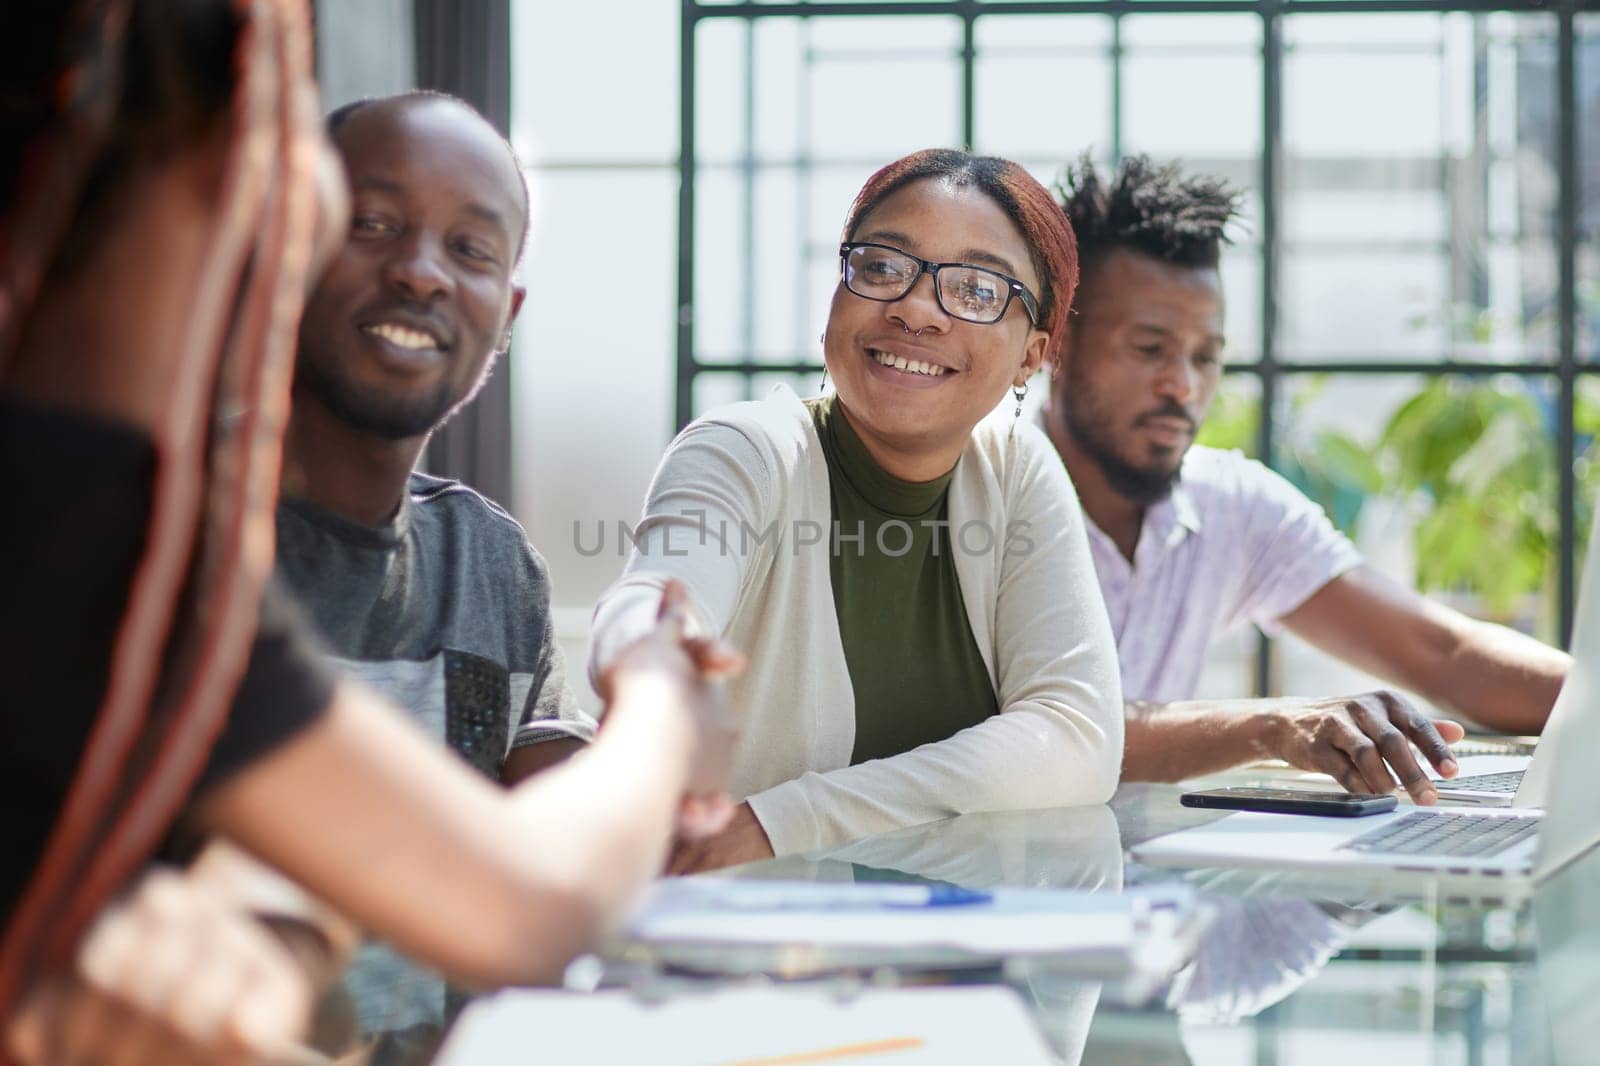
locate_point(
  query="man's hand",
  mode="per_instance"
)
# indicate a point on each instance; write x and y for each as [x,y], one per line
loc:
[170,974]
[1364,742]
[742,840]
[668,665]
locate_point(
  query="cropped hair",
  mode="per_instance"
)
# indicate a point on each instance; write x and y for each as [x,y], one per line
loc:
[1157,210]
[342,114]
[1052,247]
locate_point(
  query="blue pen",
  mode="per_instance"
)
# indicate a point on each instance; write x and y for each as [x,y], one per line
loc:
[948,896]
[753,896]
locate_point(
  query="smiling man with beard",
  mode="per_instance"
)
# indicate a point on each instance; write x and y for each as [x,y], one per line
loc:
[1189,541]
[419,586]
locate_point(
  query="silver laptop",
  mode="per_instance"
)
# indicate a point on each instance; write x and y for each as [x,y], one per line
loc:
[1484,786]
[1485,780]
[1554,817]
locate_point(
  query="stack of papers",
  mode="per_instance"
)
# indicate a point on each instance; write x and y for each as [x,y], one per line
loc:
[1147,930]
[748,1027]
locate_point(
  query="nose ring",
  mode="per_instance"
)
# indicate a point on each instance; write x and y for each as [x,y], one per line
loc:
[910,332]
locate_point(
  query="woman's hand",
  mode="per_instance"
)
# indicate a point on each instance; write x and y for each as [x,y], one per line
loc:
[170,974]
[666,666]
[741,840]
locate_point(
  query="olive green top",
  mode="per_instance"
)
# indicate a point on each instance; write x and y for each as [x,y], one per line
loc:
[916,671]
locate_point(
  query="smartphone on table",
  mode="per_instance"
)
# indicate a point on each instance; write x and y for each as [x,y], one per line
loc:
[1291,801]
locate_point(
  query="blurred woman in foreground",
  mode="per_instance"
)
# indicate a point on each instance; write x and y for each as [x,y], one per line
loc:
[164,194]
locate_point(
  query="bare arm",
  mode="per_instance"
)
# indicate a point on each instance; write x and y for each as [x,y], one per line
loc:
[1493,675]
[319,939]
[531,759]
[491,886]
[1172,741]
[170,974]
[1364,742]
[1487,673]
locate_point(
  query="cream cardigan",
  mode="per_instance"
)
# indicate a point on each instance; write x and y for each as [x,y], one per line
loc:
[739,512]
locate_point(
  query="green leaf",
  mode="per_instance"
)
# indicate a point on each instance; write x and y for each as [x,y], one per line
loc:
[1348,463]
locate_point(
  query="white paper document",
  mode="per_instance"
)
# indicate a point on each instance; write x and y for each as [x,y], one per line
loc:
[749,1027]
[1006,922]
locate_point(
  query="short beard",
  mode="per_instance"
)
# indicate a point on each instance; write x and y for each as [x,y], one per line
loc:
[1138,485]
[369,411]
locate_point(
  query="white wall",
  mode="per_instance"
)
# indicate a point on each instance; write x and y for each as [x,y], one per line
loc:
[594,115]
[364,48]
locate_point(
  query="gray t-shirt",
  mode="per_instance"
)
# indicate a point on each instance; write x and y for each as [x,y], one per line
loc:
[446,611]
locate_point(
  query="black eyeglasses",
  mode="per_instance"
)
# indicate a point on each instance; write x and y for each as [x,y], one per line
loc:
[970,293]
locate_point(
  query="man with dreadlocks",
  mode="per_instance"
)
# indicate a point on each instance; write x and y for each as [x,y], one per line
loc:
[1189,541]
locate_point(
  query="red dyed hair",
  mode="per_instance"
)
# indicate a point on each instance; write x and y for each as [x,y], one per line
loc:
[1045,230]
[190,616]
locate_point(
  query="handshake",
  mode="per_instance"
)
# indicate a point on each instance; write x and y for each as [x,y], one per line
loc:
[673,679]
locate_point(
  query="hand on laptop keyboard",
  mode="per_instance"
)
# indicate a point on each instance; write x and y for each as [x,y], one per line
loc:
[1364,742]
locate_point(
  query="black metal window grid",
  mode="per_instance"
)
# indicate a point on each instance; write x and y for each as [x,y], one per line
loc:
[1559,359]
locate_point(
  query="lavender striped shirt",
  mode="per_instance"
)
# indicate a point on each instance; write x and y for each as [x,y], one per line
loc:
[1233,543]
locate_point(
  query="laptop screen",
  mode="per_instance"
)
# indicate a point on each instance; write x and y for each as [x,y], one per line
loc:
[1560,778]
[1569,942]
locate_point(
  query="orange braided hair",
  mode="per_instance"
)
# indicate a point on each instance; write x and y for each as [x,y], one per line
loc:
[186,631]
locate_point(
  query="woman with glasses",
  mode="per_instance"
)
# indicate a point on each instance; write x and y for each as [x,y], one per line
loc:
[910,582]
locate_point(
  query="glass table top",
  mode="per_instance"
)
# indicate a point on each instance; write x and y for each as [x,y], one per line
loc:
[1288,970]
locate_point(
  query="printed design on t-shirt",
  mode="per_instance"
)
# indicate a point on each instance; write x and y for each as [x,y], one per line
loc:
[466,700]
[477,702]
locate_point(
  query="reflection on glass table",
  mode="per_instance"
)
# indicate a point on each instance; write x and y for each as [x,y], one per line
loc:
[1568,940]
[1071,848]
[1436,981]
[1044,885]
[1075,849]
[1304,969]
[1288,971]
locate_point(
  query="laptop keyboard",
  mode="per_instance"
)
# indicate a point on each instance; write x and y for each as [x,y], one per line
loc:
[1445,834]
[1507,782]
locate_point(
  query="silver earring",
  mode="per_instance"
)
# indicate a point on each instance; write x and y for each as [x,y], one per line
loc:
[1021,394]
[822,339]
